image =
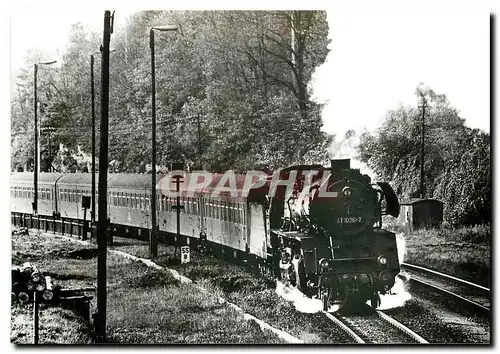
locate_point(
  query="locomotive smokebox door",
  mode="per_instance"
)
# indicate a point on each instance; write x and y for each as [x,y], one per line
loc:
[85,202]
[185,254]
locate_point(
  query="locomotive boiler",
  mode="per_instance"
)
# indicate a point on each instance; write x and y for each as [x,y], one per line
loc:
[327,233]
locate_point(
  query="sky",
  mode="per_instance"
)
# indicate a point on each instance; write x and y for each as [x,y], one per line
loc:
[378,55]
[377,59]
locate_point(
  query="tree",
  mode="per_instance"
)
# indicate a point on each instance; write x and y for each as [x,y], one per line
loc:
[231,90]
[456,168]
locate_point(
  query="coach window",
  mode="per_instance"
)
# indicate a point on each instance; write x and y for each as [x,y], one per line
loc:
[231,212]
[237,213]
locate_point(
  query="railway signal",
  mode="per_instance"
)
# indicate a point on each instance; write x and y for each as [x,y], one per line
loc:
[178,207]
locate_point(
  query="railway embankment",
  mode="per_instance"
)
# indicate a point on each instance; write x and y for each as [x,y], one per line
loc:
[144,305]
[463,252]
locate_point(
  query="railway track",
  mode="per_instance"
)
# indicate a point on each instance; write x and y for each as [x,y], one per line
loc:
[375,327]
[468,293]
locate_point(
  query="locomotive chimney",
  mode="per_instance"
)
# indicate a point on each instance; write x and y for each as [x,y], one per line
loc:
[340,165]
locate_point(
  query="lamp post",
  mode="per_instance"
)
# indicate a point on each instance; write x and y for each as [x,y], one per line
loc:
[92,92]
[37,165]
[153,245]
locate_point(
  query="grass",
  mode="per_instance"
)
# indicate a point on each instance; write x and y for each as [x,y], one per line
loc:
[71,266]
[464,252]
[56,326]
[144,305]
[252,292]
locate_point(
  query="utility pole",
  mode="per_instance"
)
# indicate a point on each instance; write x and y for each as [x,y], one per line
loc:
[35,169]
[199,141]
[92,210]
[292,29]
[422,156]
[37,149]
[153,246]
[100,321]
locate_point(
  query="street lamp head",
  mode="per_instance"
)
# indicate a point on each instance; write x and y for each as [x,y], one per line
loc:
[48,62]
[166,28]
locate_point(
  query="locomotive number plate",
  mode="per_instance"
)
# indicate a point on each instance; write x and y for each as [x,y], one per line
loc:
[349,220]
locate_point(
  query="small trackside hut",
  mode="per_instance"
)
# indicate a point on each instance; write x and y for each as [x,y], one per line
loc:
[421,213]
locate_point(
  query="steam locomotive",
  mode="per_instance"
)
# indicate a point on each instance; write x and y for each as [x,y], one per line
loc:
[318,228]
[328,230]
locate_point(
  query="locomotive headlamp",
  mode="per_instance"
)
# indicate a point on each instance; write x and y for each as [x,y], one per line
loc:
[48,295]
[382,260]
[346,191]
[324,263]
[285,258]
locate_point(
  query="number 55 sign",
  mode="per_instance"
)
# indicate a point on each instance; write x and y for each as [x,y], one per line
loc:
[185,254]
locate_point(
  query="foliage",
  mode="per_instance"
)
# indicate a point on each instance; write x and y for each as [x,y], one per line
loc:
[231,92]
[457,158]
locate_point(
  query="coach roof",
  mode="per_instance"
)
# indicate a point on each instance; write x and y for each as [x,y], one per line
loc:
[28,177]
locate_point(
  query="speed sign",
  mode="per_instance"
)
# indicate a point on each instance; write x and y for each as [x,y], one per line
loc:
[185,254]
